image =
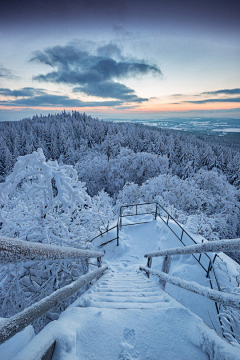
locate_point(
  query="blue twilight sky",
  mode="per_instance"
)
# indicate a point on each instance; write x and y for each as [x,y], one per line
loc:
[124,59]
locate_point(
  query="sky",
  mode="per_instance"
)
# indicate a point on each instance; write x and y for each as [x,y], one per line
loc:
[120,59]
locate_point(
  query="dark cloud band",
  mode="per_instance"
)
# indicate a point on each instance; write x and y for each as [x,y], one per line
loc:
[229,100]
[93,74]
[30,97]
[224,92]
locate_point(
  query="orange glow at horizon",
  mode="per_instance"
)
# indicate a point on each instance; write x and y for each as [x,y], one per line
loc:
[147,107]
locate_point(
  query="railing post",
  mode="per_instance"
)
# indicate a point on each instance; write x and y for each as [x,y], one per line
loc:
[209,268]
[214,258]
[166,268]
[167,218]
[99,261]
[117,234]
[182,234]
[156,212]
[120,222]
[149,264]
[136,209]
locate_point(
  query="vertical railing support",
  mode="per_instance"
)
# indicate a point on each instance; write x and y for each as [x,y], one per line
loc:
[209,268]
[214,258]
[117,234]
[136,209]
[149,264]
[182,234]
[167,219]
[120,218]
[99,261]
[156,212]
[166,268]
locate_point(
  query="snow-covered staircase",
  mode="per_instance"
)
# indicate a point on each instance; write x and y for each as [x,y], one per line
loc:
[125,290]
[126,316]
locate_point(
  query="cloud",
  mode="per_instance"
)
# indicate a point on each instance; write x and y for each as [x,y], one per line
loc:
[6,73]
[224,91]
[110,50]
[27,91]
[234,100]
[110,89]
[93,74]
[30,97]
[119,30]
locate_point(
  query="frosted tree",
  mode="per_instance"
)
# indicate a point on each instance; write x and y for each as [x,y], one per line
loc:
[41,201]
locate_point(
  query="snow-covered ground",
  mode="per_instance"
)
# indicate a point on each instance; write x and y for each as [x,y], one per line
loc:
[124,315]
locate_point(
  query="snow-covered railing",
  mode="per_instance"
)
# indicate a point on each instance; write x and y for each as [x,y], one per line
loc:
[231,300]
[18,322]
[20,250]
[212,246]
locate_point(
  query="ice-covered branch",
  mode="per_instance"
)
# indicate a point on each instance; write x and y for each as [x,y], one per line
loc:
[211,246]
[20,250]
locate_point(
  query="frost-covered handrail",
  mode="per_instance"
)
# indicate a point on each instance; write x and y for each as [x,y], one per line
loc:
[231,300]
[211,246]
[20,250]
[18,322]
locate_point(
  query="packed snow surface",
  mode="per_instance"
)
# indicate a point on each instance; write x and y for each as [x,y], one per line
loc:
[125,316]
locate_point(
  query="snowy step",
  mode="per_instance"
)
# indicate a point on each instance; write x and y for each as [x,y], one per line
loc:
[124,305]
[132,299]
[129,288]
[138,281]
[129,293]
[124,290]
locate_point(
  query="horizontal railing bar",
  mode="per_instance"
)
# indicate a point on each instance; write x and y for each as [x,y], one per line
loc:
[145,222]
[231,300]
[150,213]
[152,203]
[200,263]
[175,222]
[180,239]
[108,241]
[210,246]
[21,250]
[102,233]
[18,322]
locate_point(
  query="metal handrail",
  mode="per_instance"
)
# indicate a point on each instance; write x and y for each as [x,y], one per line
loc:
[120,225]
[102,233]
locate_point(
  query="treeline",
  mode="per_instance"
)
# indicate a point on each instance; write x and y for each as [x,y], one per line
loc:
[73,137]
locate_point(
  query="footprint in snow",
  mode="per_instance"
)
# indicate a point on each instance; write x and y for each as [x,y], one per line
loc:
[124,355]
[84,302]
[128,338]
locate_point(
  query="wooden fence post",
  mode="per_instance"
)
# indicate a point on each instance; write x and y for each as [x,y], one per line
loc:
[99,261]
[166,268]
[149,264]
